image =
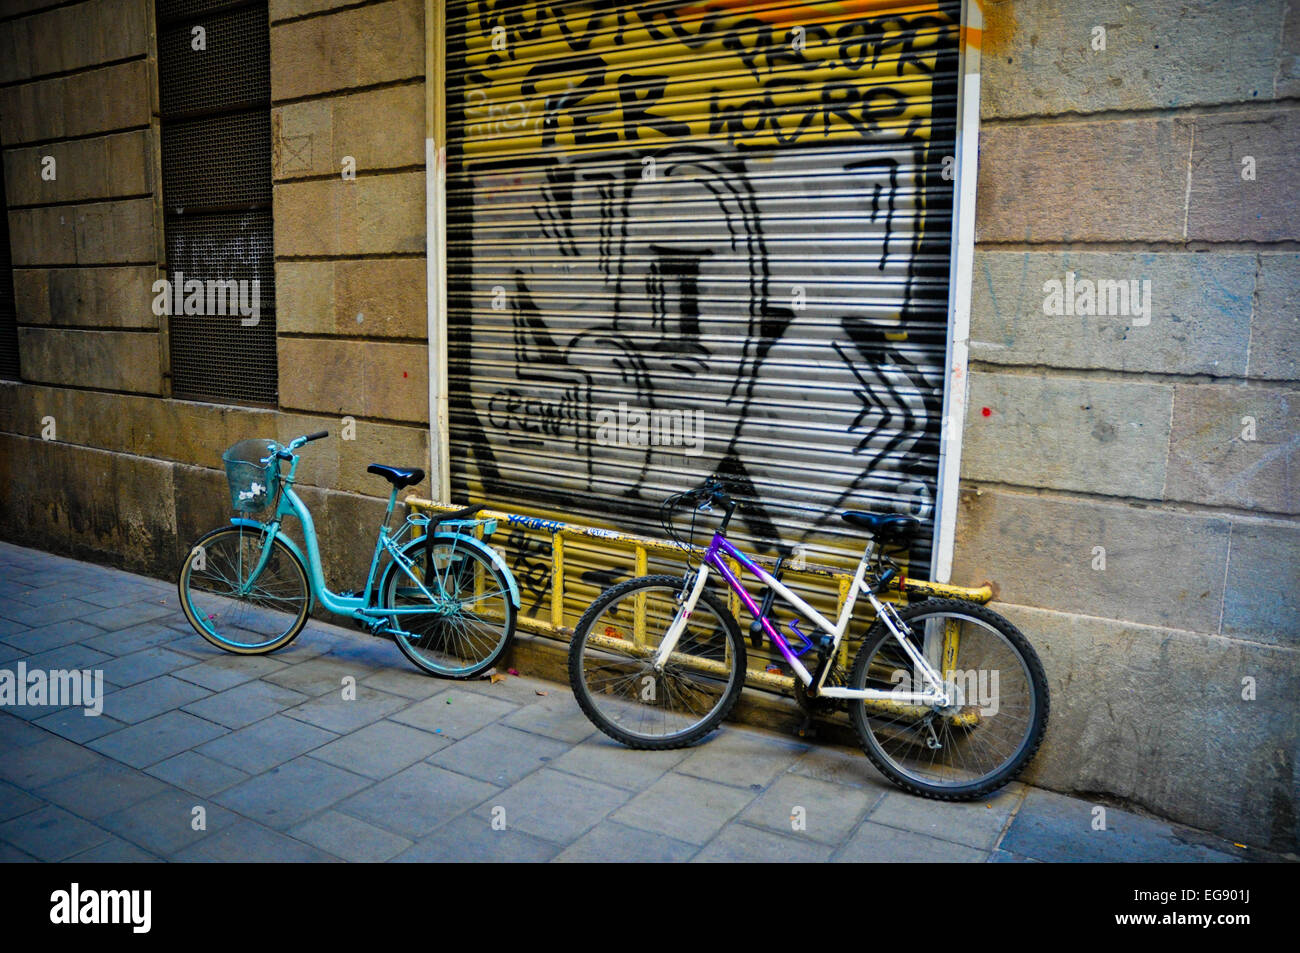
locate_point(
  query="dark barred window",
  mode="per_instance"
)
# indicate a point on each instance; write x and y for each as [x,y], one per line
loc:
[214,78]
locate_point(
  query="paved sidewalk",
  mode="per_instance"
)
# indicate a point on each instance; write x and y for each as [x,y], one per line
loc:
[203,756]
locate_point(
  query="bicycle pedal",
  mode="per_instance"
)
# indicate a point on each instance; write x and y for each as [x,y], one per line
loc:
[808,729]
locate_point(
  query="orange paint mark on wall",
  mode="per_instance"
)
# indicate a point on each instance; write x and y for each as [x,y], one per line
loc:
[999,26]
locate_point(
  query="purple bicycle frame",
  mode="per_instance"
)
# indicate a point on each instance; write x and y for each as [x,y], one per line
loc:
[720,544]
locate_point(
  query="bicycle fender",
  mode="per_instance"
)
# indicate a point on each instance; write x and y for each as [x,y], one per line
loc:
[293,547]
[486,550]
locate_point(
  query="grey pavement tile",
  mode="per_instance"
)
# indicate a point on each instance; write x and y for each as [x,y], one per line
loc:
[9,627]
[684,808]
[157,739]
[456,713]
[612,843]
[382,749]
[416,801]
[806,808]
[552,805]
[46,613]
[250,843]
[133,613]
[137,637]
[9,854]
[115,851]
[498,755]
[118,595]
[144,700]
[143,665]
[45,762]
[841,766]
[515,689]
[188,642]
[51,833]
[469,839]
[349,838]
[739,843]
[67,658]
[742,758]
[405,682]
[267,743]
[291,793]
[334,712]
[11,653]
[224,670]
[245,704]
[54,592]
[191,771]
[316,676]
[601,758]
[168,822]
[15,801]
[976,824]
[16,733]
[1007,857]
[308,645]
[557,716]
[1053,827]
[12,588]
[876,843]
[43,638]
[75,725]
[357,648]
[102,789]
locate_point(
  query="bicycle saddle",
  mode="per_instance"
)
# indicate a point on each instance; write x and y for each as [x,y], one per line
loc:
[886,527]
[398,476]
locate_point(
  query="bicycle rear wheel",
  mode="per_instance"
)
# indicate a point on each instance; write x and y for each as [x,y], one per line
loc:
[247,616]
[616,685]
[997,718]
[469,622]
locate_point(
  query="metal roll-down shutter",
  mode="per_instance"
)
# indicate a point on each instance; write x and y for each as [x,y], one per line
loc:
[726,216]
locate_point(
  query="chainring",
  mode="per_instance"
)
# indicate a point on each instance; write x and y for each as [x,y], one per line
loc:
[821,705]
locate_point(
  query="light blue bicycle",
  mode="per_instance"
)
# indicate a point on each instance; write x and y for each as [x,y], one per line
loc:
[447,598]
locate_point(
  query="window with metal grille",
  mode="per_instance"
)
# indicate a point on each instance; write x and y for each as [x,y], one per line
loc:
[8,308]
[214,78]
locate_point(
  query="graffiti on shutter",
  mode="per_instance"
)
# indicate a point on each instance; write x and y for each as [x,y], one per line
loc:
[697,238]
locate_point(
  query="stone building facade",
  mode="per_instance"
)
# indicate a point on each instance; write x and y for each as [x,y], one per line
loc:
[1127,467]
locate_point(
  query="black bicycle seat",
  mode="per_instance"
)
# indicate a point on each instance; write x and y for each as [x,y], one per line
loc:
[886,527]
[398,476]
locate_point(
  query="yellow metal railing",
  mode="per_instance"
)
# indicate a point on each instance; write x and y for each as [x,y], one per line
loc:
[618,547]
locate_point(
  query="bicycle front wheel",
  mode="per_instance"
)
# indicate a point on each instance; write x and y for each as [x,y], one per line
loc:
[464,622]
[998,711]
[232,608]
[613,678]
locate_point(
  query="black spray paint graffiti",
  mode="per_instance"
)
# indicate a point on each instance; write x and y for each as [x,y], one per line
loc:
[609,299]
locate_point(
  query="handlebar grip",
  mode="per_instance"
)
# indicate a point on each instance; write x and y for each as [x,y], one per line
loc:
[316,436]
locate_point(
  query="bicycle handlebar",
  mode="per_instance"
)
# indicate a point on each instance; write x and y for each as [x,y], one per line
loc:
[286,452]
[711,491]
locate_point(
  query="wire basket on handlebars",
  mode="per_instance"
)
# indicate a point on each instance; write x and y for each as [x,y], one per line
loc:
[253,484]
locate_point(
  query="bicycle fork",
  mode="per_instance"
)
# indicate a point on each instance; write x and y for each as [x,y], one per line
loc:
[269,535]
[660,658]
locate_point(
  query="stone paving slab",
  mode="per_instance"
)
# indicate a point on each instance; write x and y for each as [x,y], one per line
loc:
[337,749]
